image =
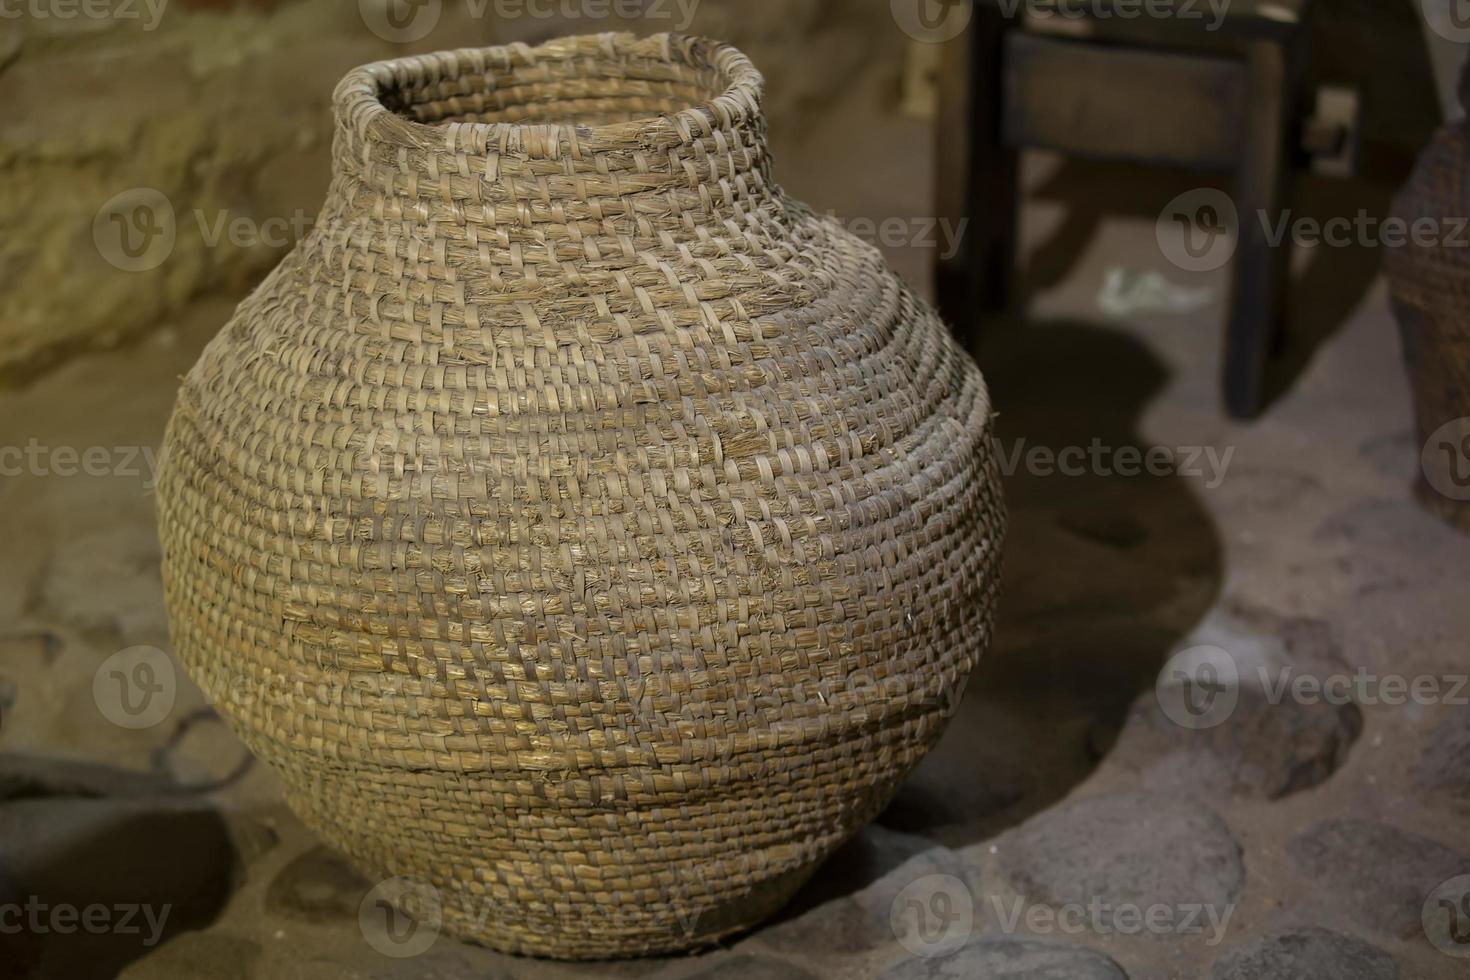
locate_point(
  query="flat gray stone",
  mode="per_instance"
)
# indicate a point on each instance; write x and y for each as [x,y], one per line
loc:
[1010,959]
[1128,849]
[742,967]
[1379,874]
[318,886]
[866,857]
[203,754]
[1444,768]
[1305,954]
[130,609]
[1261,751]
[198,954]
[862,921]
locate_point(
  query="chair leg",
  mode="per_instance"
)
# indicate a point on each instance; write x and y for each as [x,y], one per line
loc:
[976,176]
[1263,197]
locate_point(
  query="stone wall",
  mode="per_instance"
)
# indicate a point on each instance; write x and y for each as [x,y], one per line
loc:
[212,120]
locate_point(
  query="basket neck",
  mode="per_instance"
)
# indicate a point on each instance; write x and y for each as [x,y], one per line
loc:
[459,136]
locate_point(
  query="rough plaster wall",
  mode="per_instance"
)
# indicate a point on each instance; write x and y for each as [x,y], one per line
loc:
[224,109]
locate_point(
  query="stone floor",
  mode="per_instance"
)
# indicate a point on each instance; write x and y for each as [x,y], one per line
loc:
[1076,821]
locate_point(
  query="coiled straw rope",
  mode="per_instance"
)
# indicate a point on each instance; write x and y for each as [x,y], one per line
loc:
[577,524]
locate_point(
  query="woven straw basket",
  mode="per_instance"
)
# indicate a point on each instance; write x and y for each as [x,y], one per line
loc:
[579,526]
[1430,288]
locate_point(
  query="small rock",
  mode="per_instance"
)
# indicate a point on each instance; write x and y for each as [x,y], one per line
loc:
[202,754]
[197,954]
[317,886]
[862,921]
[251,840]
[130,609]
[1129,849]
[752,968]
[1010,959]
[10,42]
[1377,873]
[1444,768]
[1394,454]
[1305,954]
[1268,744]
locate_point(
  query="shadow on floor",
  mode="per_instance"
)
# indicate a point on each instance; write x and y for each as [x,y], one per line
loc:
[1328,282]
[100,866]
[1105,574]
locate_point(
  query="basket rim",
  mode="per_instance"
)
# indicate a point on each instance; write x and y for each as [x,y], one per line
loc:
[358,103]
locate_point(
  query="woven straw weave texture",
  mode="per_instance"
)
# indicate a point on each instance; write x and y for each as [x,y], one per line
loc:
[575,522]
[1430,287]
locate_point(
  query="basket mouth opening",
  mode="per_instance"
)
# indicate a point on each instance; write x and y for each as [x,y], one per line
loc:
[610,84]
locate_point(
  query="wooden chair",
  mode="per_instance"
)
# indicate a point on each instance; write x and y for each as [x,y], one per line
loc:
[1167,91]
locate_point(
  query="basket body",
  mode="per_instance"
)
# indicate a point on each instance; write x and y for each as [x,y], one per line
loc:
[578,525]
[1429,281]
